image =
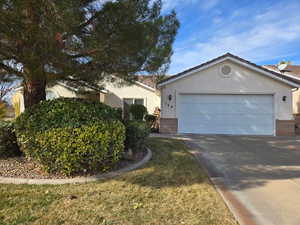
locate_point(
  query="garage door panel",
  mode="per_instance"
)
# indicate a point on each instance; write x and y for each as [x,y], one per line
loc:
[229,116]
[222,108]
[226,114]
[224,123]
[224,98]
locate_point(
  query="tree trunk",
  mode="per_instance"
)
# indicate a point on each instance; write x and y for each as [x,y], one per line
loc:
[34,92]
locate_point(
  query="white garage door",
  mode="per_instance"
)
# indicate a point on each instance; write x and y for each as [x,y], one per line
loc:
[226,114]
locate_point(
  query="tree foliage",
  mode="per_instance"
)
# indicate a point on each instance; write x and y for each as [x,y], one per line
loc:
[6,87]
[3,110]
[82,43]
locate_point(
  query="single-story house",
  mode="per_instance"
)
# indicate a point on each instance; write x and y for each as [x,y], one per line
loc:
[143,92]
[229,95]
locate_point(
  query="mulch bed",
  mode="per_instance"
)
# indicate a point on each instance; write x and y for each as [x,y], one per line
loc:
[19,167]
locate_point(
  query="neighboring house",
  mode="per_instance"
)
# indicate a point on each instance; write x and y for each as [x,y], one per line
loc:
[142,92]
[228,95]
[292,71]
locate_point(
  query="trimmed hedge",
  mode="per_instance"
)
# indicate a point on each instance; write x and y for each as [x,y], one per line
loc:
[92,147]
[8,141]
[64,112]
[136,134]
[138,112]
[71,135]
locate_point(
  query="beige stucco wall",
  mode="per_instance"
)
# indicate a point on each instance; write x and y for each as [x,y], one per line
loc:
[114,97]
[62,91]
[296,102]
[117,93]
[58,89]
[242,80]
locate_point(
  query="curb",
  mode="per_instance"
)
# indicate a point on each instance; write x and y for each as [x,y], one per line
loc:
[242,215]
[77,180]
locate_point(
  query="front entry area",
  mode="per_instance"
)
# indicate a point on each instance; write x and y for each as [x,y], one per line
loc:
[234,114]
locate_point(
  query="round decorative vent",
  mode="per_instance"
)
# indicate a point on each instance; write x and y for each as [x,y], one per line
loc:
[225,70]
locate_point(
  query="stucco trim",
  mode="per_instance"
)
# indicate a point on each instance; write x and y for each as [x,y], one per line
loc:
[235,60]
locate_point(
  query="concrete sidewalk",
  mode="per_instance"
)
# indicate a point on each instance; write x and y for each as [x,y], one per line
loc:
[261,173]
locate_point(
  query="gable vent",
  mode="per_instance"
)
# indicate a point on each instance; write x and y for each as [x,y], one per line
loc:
[225,70]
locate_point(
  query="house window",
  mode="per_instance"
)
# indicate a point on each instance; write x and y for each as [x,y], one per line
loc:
[139,101]
[50,95]
[130,101]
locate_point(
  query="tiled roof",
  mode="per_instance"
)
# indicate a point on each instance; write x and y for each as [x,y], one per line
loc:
[293,70]
[147,80]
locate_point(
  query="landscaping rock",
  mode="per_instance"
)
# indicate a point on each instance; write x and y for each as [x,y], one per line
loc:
[20,167]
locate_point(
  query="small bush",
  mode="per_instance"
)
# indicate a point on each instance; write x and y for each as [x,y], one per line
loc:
[93,147]
[136,134]
[8,141]
[119,114]
[150,119]
[138,111]
[63,112]
[71,135]
[152,123]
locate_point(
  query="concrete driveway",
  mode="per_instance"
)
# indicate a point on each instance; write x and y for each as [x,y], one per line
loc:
[262,172]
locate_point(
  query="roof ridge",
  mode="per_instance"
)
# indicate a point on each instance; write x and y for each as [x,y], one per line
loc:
[228,54]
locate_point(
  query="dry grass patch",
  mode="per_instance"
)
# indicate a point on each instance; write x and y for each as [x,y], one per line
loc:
[171,189]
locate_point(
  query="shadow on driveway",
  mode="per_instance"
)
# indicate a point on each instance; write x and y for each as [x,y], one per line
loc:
[250,161]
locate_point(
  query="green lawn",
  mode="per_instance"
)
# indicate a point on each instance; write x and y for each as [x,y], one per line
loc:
[170,189]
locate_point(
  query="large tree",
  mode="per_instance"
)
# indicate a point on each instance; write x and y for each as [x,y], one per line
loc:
[6,85]
[83,42]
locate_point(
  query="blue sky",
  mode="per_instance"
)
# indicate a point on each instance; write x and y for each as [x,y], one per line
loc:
[262,31]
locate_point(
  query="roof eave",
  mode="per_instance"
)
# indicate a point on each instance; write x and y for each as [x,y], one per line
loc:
[228,57]
[145,86]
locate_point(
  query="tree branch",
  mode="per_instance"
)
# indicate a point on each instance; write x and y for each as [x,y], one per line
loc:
[86,53]
[89,21]
[10,70]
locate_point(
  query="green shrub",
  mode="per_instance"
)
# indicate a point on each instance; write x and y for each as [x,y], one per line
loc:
[136,134]
[150,119]
[138,111]
[119,114]
[91,147]
[152,122]
[63,112]
[71,135]
[8,141]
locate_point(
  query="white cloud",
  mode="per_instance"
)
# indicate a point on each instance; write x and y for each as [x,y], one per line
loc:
[217,19]
[208,4]
[203,4]
[172,4]
[268,35]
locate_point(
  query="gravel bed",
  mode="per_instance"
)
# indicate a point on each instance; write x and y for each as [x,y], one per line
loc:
[19,167]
